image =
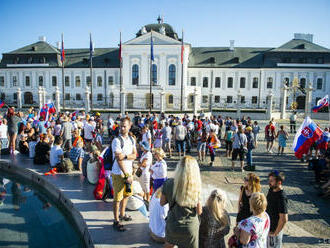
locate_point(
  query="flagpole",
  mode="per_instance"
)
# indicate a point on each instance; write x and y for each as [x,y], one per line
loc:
[91,68]
[181,103]
[150,93]
[63,98]
[120,73]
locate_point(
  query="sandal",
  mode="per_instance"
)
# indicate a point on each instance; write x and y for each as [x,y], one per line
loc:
[118,227]
[125,218]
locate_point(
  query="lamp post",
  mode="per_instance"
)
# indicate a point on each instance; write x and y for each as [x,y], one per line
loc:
[239,95]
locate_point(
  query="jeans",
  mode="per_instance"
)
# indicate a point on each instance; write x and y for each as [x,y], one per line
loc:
[249,158]
[4,143]
[275,242]
[180,145]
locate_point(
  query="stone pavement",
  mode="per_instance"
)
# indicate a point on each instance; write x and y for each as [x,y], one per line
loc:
[309,215]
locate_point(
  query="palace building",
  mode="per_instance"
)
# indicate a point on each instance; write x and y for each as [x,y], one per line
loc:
[211,78]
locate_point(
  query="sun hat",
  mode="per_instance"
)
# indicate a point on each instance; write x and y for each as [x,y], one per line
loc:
[145,145]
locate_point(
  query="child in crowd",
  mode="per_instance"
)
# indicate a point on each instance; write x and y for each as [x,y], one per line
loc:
[159,169]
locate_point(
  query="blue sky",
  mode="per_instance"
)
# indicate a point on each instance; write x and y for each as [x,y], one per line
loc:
[252,23]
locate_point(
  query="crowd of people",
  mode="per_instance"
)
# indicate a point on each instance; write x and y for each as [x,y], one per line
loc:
[130,154]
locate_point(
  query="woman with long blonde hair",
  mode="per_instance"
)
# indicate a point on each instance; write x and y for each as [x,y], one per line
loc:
[251,185]
[215,222]
[183,194]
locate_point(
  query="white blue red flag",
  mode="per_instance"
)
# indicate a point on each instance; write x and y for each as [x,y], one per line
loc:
[324,102]
[307,134]
[51,108]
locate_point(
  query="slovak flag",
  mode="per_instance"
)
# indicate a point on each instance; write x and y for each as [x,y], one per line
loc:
[324,102]
[43,112]
[51,108]
[75,113]
[307,134]
[2,103]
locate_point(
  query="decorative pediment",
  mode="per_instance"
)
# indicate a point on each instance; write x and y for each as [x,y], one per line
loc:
[158,39]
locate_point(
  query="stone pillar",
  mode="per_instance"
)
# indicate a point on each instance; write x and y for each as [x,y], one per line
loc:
[44,96]
[57,100]
[122,103]
[239,97]
[41,97]
[162,101]
[283,104]
[270,105]
[19,98]
[195,102]
[308,102]
[210,102]
[87,100]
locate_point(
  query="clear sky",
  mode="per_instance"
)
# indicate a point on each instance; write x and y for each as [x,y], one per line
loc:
[251,23]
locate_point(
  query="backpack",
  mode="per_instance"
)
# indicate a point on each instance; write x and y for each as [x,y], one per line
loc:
[108,159]
[66,165]
[102,189]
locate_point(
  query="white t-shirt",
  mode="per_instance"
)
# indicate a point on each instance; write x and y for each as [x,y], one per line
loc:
[3,131]
[157,215]
[88,129]
[135,201]
[32,149]
[146,136]
[127,149]
[148,156]
[159,170]
[55,152]
[57,130]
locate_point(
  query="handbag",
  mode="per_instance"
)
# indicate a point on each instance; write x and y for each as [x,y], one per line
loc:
[233,241]
[138,172]
[243,149]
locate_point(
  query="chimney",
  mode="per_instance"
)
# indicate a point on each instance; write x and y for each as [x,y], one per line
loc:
[42,38]
[231,48]
[301,36]
[58,45]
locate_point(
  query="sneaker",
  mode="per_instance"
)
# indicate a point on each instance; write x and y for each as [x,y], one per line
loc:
[270,151]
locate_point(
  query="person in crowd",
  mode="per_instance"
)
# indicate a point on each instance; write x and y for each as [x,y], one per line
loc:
[250,146]
[215,222]
[180,133]
[77,155]
[23,145]
[202,143]
[239,143]
[32,146]
[255,131]
[76,138]
[253,231]
[122,172]
[277,208]
[157,216]
[12,120]
[56,154]
[66,134]
[3,134]
[213,143]
[57,128]
[282,136]
[167,138]
[146,134]
[42,150]
[144,164]
[251,185]
[293,120]
[158,141]
[50,136]
[159,169]
[229,142]
[270,136]
[183,194]
[88,133]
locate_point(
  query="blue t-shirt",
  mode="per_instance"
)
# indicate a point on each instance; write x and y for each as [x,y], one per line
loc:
[42,128]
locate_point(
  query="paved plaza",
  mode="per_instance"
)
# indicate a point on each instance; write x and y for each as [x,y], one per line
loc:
[309,215]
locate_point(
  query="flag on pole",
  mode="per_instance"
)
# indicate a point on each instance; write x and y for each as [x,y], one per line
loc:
[182,49]
[51,108]
[91,47]
[2,103]
[62,51]
[151,49]
[324,102]
[119,55]
[307,134]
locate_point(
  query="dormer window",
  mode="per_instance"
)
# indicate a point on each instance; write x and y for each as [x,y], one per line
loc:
[236,60]
[212,60]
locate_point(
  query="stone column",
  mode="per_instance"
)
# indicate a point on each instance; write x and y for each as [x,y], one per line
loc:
[308,102]
[41,97]
[87,100]
[44,96]
[122,103]
[270,105]
[57,100]
[211,102]
[162,101]
[195,102]
[238,113]
[283,104]
[19,98]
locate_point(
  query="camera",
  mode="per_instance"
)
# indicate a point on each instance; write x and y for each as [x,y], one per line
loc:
[128,187]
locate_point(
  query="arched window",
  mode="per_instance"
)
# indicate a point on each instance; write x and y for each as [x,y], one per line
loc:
[99,97]
[319,84]
[28,98]
[171,74]
[41,81]
[255,83]
[129,100]
[67,81]
[169,100]
[303,82]
[154,74]
[78,81]
[269,83]
[242,82]
[135,74]
[99,81]
[27,81]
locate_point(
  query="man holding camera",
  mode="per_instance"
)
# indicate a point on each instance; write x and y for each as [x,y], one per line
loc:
[124,153]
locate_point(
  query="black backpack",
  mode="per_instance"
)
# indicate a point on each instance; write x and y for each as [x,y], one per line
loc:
[108,159]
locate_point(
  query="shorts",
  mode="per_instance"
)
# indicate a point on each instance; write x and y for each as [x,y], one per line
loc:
[119,188]
[144,181]
[229,145]
[201,147]
[237,152]
[270,138]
